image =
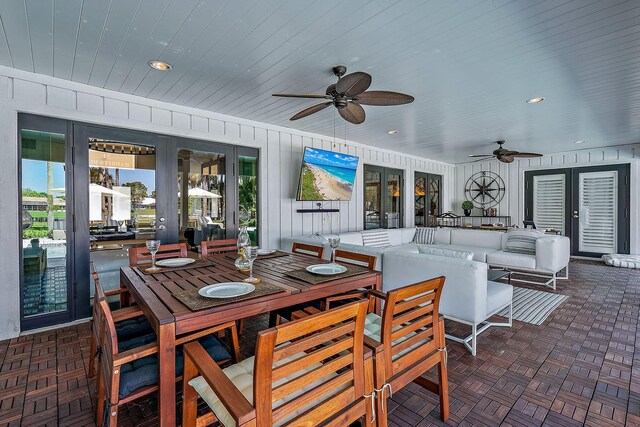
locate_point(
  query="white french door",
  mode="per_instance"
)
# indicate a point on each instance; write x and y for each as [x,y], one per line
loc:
[597,211]
[549,198]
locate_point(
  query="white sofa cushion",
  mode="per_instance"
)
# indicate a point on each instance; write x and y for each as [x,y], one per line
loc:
[407,234]
[521,241]
[449,253]
[376,238]
[443,236]
[479,238]
[510,259]
[353,238]
[395,236]
[407,247]
[499,295]
[425,235]
[479,253]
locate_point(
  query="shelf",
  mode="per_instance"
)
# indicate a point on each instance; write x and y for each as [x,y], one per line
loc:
[317,210]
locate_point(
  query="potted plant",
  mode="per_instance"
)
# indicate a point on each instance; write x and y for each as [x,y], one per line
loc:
[467,205]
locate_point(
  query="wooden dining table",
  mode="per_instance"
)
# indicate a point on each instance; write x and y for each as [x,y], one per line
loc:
[170,318]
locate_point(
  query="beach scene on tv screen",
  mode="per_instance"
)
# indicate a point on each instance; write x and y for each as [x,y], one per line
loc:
[326,175]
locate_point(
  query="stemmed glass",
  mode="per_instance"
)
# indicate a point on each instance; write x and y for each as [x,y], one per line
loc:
[251,252]
[334,242]
[153,246]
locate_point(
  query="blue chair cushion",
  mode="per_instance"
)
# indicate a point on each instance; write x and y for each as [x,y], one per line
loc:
[133,327]
[136,341]
[144,372]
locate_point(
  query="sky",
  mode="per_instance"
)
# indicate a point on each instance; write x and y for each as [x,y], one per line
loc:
[34,176]
[329,158]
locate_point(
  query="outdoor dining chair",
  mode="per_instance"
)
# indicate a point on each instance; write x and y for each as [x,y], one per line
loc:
[309,372]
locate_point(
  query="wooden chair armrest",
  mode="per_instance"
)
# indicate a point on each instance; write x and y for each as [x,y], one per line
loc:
[194,336]
[372,344]
[378,294]
[135,354]
[126,313]
[116,291]
[234,401]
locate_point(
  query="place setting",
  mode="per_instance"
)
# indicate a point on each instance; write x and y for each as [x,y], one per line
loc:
[325,272]
[171,264]
[216,294]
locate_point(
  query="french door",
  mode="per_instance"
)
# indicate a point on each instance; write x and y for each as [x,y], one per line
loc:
[383,197]
[91,193]
[427,202]
[590,205]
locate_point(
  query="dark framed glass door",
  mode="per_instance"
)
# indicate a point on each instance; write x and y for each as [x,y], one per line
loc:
[383,197]
[588,204]
[427,201]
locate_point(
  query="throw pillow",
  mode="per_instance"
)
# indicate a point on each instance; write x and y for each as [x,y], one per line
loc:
[376,238]
[425,235]
[449,253]
[522,241]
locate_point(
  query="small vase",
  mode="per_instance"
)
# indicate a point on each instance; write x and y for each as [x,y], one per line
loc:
[467,212]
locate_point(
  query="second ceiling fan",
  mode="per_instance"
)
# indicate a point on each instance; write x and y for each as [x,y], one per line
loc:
[348,95]
[503,155]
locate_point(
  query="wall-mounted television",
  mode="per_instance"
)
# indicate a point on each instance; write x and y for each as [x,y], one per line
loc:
[326,175]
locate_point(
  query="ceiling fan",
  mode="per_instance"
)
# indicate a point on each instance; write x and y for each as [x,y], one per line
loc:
[348,94]
[503,155]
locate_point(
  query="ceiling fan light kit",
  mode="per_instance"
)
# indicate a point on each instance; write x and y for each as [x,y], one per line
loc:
[348,95]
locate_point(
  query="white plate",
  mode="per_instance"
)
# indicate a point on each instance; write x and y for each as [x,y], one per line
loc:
[175,262]
[266,251]
[226,290]
[326,269]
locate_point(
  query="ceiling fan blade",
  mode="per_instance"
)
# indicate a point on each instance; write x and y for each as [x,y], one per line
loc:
[352,113]
[383,97]
[313,109]
[354,84]
[482,159]
[296,95]
[481,155]
[518,154]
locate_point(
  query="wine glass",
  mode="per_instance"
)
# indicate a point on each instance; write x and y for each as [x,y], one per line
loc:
[334,242]
[251,252]
[153,246]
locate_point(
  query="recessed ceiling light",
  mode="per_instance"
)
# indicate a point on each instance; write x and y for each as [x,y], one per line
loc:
[535,100]
[392,131]
[580,141]
[159,65]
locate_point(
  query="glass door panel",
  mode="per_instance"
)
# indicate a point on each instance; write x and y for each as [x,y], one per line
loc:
[372,198]
[434,201]
[45,282]
[393,200]
[248,195]
[122,203]
[420,195]
[201,213]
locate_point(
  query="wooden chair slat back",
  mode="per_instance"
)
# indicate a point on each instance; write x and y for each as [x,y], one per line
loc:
[210,247]
[410,327]
[305,249]
[141,253]
[98,294]
[355,258]
[109,350]
[321,354]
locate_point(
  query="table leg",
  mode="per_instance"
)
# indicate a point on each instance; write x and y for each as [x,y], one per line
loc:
[378,287]
[167,378]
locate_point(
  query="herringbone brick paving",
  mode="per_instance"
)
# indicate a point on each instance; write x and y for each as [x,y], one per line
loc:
[581,367]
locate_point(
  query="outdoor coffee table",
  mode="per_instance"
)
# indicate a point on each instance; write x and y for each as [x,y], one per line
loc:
[495,275]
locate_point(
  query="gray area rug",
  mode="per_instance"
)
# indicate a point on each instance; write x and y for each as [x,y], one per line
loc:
[533,306]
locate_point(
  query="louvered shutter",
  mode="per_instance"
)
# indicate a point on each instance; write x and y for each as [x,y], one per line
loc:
[598,210]
[549,196]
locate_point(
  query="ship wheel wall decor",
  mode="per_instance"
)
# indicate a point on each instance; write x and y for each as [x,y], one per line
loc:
[485,189]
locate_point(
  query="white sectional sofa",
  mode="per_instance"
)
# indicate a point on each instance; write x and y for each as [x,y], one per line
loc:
[551,257]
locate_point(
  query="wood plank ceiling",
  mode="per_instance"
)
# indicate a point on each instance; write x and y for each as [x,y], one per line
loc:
[471,65]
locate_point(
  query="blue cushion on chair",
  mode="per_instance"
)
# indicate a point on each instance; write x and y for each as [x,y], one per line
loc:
[144,372]
[133,327]
[136,341]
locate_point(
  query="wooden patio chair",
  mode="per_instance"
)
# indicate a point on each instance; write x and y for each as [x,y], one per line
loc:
[305,373]
[408,340]
[130,369]
[210,247]
[141,253]
[130,321]
[305,249]
[313,307]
